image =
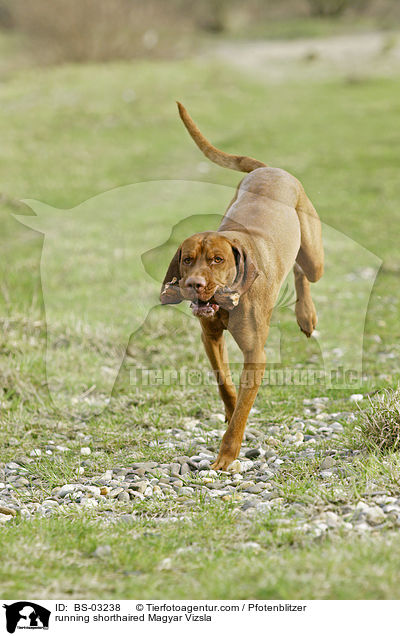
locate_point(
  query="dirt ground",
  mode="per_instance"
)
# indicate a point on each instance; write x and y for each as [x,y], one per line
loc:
[375,53]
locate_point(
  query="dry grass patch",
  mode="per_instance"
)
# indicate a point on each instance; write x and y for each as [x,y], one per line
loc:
[380,423]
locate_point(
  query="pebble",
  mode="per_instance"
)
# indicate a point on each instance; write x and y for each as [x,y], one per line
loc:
[250,545]
[235,467]
[50,503]
[7,511]
[165,564]
[93,490]
[181,459]
[144,466]
[263,506]
[326,474]
[185,490]
[336,426]
[140,486]
[124,497]
[255,490]
[331,519]
[356,397]
[67,489]
[248,503]
[204,464]
[327,463]
[136,495]
[252,453]
[106,477]
[375,515]
[102,551]
[246,484]
[175,469]
[219,417]
[13,466]
[89,503]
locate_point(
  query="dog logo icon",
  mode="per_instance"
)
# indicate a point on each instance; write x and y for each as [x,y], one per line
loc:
[26,615]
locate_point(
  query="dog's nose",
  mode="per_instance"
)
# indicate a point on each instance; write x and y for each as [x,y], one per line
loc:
[197,283]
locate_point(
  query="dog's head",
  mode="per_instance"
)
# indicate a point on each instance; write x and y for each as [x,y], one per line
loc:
[211,271]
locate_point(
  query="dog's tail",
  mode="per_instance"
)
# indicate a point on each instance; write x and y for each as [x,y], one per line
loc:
[234,162]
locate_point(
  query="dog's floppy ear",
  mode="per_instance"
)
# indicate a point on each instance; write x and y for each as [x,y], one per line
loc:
[246,271]
[170,290]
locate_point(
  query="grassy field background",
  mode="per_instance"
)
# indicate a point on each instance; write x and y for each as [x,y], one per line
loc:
[72,132]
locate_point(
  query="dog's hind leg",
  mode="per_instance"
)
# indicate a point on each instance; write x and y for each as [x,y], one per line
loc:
[309,264]
[311,253]
[305,311]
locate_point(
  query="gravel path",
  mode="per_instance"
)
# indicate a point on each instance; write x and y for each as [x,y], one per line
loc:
[254,484]
[353,55]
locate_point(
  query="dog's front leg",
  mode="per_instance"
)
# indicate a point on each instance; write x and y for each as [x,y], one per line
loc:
[250,380]
[215,347]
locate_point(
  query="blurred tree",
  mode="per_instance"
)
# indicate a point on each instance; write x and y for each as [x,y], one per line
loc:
[324,8]
[6,19]
[209,15]
[327,7]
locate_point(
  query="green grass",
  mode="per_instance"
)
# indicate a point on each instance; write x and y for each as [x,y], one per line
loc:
[200,561]
[71,133]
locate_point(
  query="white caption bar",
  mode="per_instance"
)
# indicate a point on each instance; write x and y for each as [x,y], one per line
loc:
[177,617]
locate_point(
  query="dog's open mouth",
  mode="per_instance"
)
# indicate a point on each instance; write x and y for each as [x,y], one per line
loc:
[204,308]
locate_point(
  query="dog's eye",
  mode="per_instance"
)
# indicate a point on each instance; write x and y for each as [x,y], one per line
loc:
[187,260]
[218,259]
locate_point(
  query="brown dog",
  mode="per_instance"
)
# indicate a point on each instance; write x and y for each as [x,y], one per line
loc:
[232,277]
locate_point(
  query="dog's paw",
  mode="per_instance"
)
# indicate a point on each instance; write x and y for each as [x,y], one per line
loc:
[221,463]
[224,460]
[306,317]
